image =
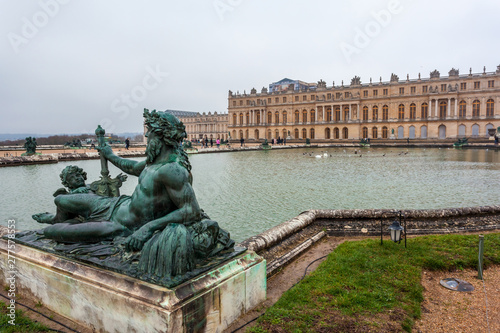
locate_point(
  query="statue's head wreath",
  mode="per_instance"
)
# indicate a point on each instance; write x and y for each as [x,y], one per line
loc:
[165,124]
[171,130]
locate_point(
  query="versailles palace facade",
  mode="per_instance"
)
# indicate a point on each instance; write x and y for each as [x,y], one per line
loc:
[425,108]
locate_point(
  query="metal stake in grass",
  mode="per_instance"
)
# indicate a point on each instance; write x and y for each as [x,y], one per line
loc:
[480,259]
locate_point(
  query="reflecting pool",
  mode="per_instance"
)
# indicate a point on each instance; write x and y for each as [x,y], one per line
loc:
[249,192]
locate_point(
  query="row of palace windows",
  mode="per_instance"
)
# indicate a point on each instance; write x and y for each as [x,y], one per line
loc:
[424,112]
[337,133]
[385,92]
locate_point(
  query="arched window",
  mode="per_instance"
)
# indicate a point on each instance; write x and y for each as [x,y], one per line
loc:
[277,117]
[442,109]
[374,133]
[490,108]
[304,116]
[336,133]
[256,134]
[312,133]
[284,118]
[412,132]
[269,118]
[401,132]
[304,133]
[346,113]
[423,132]
[475,130]
[365,132]
[313,117]
[442,131]
[241,134]
[247,118]
[488,128]
[269,135]
[327,133]
[424,111]
[345,133]
[234,118]
[241,119]
[297,116]
[365,113]
[375,112]
[475,108]
[284,134]
[276,134]
[462,109]
[296,133]
[401,113]
[258,117]
[461,130]
[413,111]
[337,113]
[329,114]
[385,112]
[384,132]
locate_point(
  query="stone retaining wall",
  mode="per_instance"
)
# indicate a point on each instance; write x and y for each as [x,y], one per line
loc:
[370,222]
[59,157]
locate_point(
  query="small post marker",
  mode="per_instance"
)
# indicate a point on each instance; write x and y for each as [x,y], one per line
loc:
[480,259]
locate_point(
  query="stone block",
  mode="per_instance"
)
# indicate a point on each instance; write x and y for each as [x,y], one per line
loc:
[107,301]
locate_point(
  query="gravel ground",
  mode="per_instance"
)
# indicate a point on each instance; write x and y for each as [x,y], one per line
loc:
[445,310]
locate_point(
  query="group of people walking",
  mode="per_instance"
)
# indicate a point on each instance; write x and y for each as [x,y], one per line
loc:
[206,141]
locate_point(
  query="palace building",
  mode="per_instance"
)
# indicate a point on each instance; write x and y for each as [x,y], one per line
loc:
[201,125]
[437,107]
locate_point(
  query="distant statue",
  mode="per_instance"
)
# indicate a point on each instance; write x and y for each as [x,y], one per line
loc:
[355,81]
[394,78]
[453,72]
[162,219]
[30,146]
[187,144]
[435,74]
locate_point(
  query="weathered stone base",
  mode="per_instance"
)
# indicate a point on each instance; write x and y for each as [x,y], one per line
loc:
[110,302]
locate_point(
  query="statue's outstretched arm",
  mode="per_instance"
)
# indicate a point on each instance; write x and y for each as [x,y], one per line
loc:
[128,166]
[182,195]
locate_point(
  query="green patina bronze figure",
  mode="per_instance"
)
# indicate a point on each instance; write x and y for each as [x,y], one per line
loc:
[30,146]
[161,224]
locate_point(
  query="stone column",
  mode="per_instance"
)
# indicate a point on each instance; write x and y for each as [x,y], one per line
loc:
[436,109]
[341,113]
[456,108]
[350,112]
[316,115]
[449,107]
[323,113]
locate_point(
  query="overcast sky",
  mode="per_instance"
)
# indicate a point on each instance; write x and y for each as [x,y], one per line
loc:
[66,66]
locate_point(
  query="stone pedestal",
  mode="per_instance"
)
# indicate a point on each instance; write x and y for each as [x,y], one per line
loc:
[111,302]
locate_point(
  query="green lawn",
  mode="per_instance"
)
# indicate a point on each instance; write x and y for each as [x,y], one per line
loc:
[363,286]
[22,323]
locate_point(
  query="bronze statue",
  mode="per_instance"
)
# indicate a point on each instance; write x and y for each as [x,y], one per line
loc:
[162,217]
[30,146]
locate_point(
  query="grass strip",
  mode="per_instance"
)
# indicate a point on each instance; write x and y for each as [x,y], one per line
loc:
[22,322]
[365,287]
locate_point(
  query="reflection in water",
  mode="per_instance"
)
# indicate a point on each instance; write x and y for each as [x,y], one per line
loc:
[249,192]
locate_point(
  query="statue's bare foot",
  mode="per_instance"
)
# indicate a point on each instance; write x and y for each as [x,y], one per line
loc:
[44,218]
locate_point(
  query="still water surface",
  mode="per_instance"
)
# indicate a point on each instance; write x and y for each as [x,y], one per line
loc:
[249,192]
